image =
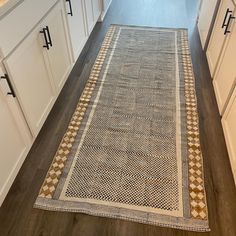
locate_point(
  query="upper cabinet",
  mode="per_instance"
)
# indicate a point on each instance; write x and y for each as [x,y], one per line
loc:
[221,29]
[39,67]
[205,19]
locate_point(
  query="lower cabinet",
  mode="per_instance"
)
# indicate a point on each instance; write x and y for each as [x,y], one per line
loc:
[60,60]
[93,11]
[89,15]
[221,55]
[97,9]
[229,126]
[106,4]
[31,80]
[225,76]
[33,75]
[39,67]
[77,25]
[219,33]
[205,19]
[15,139]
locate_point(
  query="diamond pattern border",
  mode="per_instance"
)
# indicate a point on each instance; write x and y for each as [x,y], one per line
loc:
[198,207]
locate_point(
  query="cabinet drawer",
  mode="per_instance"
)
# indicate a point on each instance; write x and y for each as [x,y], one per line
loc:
[229,126]
[30,12]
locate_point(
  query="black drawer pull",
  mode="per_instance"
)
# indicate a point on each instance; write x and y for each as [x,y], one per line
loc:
[49,36]
[226,15]
[227,31]
[70,6]
[10,85]
[45,38]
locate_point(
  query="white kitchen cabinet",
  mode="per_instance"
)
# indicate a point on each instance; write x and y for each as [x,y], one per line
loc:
[92,12]
[60,61]
[16,25]
[229,126]
[225,76]
[218,37]
[96,9]
[105,6]
[89,15]
[205,19]
[77,26]
[36,47]
[15,139]
[30,77]
[38,73]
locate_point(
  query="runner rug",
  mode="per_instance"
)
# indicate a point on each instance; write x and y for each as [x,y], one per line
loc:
[132,148]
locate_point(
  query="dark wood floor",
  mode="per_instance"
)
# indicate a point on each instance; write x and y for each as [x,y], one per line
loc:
[17,217]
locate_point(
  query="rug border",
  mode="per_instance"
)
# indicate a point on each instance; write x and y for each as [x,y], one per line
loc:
[151,27]
[60,206]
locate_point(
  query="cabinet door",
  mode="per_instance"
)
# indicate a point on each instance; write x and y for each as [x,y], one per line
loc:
[14,142]
[59,53]
[29,75]
[205,19]
[96,9]
[77,27]
[89,15]
[217,38]
[225,76]
[106,4]
[229,125]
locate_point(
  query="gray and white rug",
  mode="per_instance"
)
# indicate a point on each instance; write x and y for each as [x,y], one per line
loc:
[132,149]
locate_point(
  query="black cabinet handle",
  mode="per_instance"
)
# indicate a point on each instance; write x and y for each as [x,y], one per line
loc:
[71,12]
[9,84]
[45,38]
[226,15]
[49,36]
[227,31]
